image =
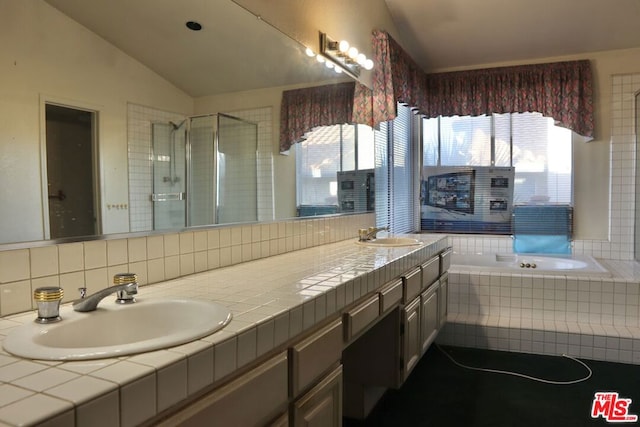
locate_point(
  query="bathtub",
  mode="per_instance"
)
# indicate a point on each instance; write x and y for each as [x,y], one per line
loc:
[567,265]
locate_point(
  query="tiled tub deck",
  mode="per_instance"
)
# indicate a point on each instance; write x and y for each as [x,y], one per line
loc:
[588,317]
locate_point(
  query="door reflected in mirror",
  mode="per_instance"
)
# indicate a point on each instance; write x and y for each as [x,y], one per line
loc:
[71,178]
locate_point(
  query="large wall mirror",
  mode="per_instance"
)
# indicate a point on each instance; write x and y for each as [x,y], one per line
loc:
[158,122]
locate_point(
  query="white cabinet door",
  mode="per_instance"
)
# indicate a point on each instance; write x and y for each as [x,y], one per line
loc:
[429,316]
[322,405]
[411,337]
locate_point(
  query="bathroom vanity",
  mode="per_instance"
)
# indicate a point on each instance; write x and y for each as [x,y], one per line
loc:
[316,334]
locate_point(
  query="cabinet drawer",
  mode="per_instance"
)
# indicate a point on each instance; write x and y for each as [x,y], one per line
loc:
[445,261]
[314,355]
[358,319]
[412,284]
[390,295]
[430,272]
[263,389]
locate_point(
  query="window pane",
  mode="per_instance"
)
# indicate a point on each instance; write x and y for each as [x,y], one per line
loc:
[502,128]
[317,164]
[430,142]
[348,147]
[542,158]
[365,147]
[465,141]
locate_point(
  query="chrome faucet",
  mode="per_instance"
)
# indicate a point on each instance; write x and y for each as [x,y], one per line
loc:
[125,287]
[365,234]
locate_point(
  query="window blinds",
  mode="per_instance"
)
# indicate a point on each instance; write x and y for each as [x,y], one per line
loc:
[396,173]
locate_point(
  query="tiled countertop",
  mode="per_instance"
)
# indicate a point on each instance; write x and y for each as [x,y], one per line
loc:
[272,300]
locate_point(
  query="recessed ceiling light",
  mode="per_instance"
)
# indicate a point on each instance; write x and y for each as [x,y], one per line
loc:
[193,26]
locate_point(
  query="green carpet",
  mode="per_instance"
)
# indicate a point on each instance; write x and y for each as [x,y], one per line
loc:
[438,393]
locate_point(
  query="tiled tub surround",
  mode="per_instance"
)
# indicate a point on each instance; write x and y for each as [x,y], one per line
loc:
[273,300]
[158,257]
[590,317]
[594,318]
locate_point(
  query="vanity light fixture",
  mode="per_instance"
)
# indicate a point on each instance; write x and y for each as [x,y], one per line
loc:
[343,56]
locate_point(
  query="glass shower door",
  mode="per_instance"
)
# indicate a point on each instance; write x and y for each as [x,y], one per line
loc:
[237,190]
[169,172]
[202,189]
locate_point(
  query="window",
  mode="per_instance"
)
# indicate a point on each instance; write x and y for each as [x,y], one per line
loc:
[539,151]
[325,152]
[396,174]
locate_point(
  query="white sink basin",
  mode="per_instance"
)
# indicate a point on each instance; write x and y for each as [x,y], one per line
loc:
[391,241]
[116,330]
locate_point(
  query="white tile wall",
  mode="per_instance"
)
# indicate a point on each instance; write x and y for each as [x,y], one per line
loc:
[158,257]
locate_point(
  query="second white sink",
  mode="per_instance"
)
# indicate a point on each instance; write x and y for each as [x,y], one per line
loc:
[116,330]
[391,242]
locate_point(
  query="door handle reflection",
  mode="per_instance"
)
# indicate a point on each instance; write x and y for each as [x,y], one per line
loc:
[60,196]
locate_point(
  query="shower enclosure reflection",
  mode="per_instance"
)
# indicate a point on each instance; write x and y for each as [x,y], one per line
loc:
[204,172]
[169,171]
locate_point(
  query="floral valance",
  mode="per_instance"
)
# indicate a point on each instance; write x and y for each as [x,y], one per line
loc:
[304,109]
[396,78]
[561,90]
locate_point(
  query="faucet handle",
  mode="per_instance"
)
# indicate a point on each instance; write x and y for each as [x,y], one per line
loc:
[129,287]
[124,278]
[48,301]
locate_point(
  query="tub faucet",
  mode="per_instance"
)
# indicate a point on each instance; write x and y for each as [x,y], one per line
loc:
[365,234]
[125,287]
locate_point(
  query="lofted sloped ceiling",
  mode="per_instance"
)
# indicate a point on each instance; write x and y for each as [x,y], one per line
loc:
[234,51]
[456,34]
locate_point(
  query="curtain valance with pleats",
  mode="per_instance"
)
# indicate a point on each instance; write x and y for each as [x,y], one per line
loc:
[304,109]
[561,90]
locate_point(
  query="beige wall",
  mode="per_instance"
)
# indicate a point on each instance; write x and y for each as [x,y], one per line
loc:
[47,56]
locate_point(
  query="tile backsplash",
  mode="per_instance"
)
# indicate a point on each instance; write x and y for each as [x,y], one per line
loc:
[158,257]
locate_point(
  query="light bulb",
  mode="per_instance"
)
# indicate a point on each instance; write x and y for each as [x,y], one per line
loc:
[329,64]
[353,52]
[368,64]
[343,46]
[320,58]
[361,59]
[337,69]
[310,53]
